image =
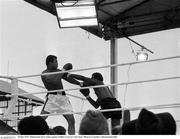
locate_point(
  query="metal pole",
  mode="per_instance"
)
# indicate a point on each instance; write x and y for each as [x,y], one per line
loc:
[114,70]
[14,99]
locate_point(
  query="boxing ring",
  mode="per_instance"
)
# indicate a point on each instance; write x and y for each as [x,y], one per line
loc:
[15,80]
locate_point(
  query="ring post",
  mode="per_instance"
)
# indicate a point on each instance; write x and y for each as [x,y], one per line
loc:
[14,99]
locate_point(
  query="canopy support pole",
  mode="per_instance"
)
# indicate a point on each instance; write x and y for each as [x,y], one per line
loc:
[114,70]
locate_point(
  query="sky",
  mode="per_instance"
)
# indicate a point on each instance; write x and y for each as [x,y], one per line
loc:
[29,34]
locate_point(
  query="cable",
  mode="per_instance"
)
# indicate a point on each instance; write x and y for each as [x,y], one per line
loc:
[132,50]
[128,79]
[88,34]
[125,92]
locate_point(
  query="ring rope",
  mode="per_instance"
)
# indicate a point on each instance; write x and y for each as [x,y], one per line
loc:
[175,105]
[99,67]
[31,84]
[23,94]
[98,86]
[122,65]
[29,101]
[45,88]
[150,107]
[6,77]
[76,96]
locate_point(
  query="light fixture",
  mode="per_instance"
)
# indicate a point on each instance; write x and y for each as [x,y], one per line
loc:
[141,55]
[76,13]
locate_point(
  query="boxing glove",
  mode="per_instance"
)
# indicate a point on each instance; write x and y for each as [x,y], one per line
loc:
[85,92]
[67,66]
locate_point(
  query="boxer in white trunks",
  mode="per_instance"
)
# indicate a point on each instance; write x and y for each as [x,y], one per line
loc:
[58,101]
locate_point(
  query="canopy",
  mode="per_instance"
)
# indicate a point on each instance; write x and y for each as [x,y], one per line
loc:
[122,18]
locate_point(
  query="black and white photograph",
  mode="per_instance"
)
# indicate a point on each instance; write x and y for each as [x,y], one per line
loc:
[89,68]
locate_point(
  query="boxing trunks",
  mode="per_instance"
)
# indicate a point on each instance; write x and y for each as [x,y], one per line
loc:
[57,103]
[111,103]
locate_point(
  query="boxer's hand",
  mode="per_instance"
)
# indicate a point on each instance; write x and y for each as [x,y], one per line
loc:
[85,92]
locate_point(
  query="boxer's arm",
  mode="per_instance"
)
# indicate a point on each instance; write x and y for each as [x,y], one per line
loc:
[82,78]
[92,102]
